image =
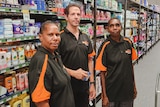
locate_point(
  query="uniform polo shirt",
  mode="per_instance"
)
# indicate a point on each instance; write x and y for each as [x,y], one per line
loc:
[116,58]
[49,81]
[75,53]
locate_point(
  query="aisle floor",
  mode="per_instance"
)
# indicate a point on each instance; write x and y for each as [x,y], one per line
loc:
[146,71]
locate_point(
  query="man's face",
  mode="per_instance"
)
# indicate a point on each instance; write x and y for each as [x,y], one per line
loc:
[74,16]
[50,37]
[114,27]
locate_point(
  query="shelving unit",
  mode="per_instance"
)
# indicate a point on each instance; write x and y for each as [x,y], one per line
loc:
[146,37]
[6,42]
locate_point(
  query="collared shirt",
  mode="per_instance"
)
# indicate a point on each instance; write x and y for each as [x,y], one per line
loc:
[48,80]
[75,53]
[116,58]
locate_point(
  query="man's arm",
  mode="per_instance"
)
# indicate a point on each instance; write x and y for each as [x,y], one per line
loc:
[78,74]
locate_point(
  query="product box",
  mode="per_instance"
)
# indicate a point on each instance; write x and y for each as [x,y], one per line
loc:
[3,62]
[17,28]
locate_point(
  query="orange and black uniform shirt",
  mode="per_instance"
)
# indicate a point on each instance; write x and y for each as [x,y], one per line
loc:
[49,81]
[74,54]
[116,59]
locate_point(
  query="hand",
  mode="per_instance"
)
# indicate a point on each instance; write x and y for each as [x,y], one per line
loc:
[135,93]
[80,74]
[105,102]
[92,92]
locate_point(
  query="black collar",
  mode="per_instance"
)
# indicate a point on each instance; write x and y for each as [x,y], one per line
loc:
[114,42]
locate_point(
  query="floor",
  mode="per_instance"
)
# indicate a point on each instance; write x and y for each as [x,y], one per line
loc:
[146,71]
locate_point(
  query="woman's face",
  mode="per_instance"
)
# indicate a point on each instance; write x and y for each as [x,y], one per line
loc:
[50,37]
[114,27]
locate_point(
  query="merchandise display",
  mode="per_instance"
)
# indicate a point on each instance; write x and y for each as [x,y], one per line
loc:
[20,24]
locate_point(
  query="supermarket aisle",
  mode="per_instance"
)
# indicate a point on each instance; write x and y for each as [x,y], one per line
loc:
[145,75]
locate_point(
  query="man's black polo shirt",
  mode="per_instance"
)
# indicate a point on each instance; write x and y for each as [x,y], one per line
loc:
[116,59]
[74,54]
[49,81]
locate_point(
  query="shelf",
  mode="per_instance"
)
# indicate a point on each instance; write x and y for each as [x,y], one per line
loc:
[14,95]
[17,10]
[14,67]
[107,9]
[14,39]
[3,9]
[41,12]
[131,27]
[82,19]
[102,21]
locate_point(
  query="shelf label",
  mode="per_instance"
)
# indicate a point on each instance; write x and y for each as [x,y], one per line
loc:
[50,13]
[30,38]
[13,11]
[3,71]
[40,12]
[16,67]
[15,96]
[18,39]
[25,91]
[1,102]
[8,99]
[3,10]
[23,65]
[9,40]
[32,11]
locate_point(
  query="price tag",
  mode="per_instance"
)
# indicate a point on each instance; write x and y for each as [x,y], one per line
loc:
[15,96]
[18,39]
[50,13]
[1,102]
[3,10]
[9,40]
[13,11]
[8,99]
[30,38]
[23,65]
[16,67]
[31,11]
[40,12]
[3,71]
[24,92]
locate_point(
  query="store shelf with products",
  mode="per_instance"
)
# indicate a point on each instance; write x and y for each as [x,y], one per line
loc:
[146,37]
[13,95]
[15,67]
[18,38]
